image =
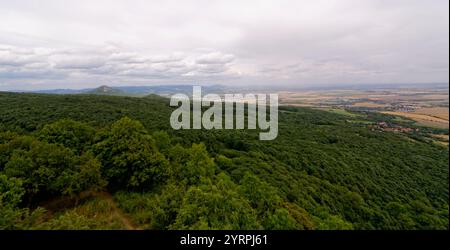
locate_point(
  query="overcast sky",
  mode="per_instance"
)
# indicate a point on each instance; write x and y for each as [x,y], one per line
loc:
[85,43]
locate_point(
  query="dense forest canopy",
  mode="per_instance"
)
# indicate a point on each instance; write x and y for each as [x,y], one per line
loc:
[323,171]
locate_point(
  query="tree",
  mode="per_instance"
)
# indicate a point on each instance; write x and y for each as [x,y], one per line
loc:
[11,216]
[69,133]
[51,168]
[215,205]
[191,165]
[268,204]
[85,176]
[162,141]
[130,157]
[165,207]
[280,219]
[327,221]
[262,197]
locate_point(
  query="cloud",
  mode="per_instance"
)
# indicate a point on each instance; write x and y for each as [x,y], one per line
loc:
[215,58]
[14,57]
[288,42]
[112,63]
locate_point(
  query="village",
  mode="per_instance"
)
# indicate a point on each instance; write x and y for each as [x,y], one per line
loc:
[389,127]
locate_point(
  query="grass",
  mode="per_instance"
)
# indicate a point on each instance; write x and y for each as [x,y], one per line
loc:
[342,112]
[402,120]
[360,122]
[97,212]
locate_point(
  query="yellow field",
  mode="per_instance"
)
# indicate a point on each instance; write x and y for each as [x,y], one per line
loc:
[425,120]
[441,137]
[439,112]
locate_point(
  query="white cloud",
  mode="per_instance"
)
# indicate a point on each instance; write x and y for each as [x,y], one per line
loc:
[109,63]
[83,43]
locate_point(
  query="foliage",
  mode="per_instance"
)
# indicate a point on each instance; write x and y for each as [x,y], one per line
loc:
[71,134]
[325,170]
[215,205]
[129,155]
[11,216]
[49,169]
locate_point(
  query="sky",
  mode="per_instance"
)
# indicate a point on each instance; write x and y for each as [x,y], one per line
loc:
[78,44]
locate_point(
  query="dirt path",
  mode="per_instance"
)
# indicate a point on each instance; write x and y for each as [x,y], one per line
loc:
[67,202]
[126,221]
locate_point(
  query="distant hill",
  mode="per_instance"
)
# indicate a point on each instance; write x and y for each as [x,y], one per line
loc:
[106,90]
[137,91]
[58,91]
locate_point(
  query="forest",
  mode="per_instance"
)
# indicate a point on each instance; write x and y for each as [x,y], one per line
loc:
[113,162]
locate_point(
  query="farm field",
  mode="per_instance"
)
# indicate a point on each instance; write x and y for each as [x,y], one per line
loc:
[426,120]
[426,106]
[439,112]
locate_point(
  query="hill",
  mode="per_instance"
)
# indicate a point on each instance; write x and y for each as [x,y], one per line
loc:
[105,90]
[325,170]
[136,91]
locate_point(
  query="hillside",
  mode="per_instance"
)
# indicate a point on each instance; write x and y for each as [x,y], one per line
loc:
[135,91]
[105,90]
[324,171]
